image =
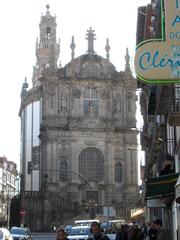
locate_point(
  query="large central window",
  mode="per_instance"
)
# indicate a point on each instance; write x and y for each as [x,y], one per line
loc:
[90,100]
[91,164]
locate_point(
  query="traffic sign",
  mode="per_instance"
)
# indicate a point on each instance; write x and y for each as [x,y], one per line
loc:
[22,212]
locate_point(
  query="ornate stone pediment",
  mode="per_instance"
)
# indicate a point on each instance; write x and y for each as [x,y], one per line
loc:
[90,66]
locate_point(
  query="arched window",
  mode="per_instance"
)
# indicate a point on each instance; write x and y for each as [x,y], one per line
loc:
[91,164]
[48,32]
[90,100]
[118,172]
[63,176]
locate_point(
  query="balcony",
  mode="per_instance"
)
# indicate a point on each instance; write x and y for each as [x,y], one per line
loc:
[174,115]
[162,99]
[152,101]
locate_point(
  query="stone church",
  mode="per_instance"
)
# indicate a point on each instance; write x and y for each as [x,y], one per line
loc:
[77,133]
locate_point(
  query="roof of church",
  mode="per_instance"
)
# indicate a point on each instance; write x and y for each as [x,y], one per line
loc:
[90,65]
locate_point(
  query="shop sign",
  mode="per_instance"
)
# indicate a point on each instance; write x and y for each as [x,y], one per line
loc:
[158,60]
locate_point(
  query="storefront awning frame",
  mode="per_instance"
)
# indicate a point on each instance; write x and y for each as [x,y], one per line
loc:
[161,187]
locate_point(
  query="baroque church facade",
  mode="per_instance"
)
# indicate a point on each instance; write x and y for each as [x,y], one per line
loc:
[77,127]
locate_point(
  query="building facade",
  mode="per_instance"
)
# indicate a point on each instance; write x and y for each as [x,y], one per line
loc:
[77,129]
[160,136]
[8,188]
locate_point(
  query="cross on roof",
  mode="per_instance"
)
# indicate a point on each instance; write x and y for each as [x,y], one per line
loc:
[90,37]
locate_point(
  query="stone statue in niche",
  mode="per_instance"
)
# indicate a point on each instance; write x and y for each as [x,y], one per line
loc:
[51,93]
[129,98]
[76,92]
[63,102]
[117,104]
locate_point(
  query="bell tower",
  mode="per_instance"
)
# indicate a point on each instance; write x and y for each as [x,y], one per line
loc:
[47,48]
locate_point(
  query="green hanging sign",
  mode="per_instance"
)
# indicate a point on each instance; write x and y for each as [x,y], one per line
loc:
[157,61]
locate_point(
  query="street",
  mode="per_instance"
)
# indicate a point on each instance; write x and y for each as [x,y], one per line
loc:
[43,236]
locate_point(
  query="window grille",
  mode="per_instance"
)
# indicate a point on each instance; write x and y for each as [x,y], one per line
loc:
[36,155]
[118,172]
[63,171]
[90,100]
[91,164]
[176,99]
[46,45]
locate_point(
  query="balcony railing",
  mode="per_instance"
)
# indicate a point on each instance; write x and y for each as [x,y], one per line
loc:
[174,116]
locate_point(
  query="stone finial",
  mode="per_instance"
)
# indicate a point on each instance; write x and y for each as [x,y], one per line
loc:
[25,84]
[107,48]
[127,58]
[24,87]
[47,7]
[72,46]
[90,37]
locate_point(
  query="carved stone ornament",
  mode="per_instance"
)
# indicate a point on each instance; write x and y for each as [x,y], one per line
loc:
[117,104]
[105,94]
[63,102]
[90,66]
[51,90]
[90,143]
[129,94]
[76,92]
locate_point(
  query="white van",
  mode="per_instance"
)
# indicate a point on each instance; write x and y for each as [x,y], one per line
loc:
[85,222]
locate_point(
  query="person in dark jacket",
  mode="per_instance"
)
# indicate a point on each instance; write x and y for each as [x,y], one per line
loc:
[122,234]
[96,233]
[162,233]
[137,233]
[152,233]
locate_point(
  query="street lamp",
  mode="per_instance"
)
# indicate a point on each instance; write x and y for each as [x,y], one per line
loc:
[92,211]
[141,155]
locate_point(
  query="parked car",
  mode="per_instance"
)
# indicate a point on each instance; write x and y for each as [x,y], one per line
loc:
[68,228]
[79,233]
[112,236]
[19,233]
[5,234]
[86,222]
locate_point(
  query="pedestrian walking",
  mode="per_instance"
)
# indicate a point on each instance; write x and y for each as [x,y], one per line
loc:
[144,229]
[137,233]
[162,233]
[96,233]
[122,234]
[152,233]
[61,234]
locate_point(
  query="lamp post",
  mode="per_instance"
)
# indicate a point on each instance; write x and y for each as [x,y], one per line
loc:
[137,149]
[92,211]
